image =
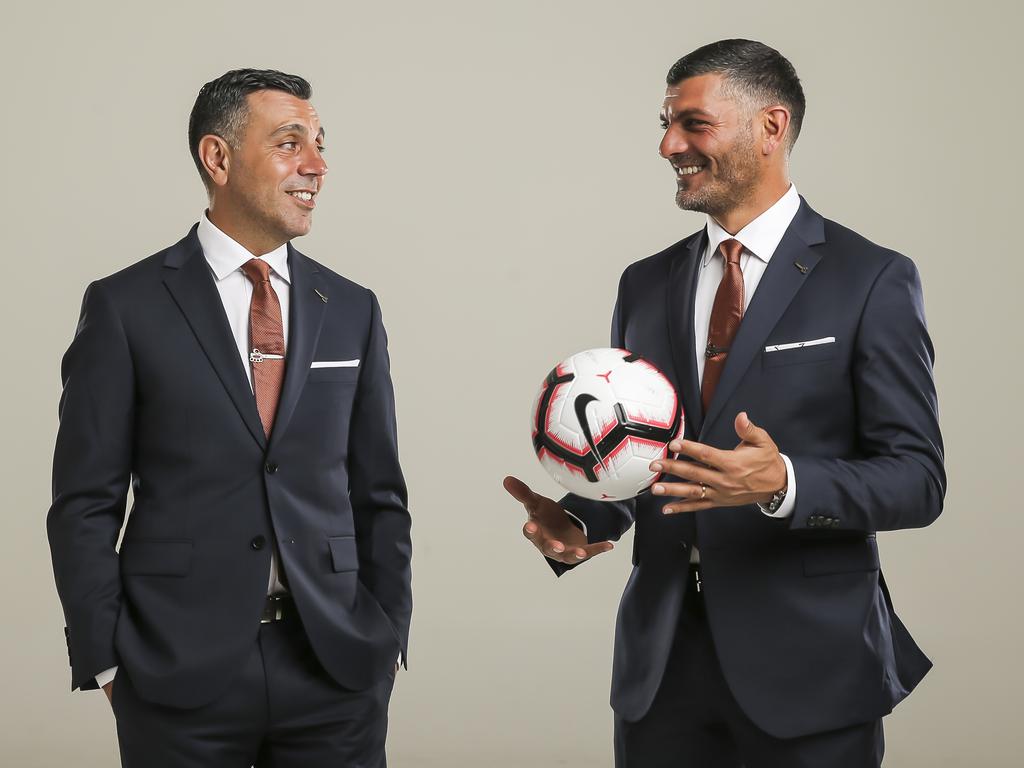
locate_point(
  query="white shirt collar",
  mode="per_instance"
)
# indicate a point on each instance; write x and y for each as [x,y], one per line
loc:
[225,255]
[761,236]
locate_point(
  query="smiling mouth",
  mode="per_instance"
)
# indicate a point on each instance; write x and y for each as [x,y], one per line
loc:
[304,197]
[687,170]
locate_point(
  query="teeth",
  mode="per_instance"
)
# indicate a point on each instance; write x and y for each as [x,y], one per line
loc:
[688,170]
[302,195]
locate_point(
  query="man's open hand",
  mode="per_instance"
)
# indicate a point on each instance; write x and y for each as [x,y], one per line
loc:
[750,473]
[549,527]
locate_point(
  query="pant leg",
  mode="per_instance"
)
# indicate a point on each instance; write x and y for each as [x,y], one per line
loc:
[225,733]
[858,746]
[314,721]
[685,726]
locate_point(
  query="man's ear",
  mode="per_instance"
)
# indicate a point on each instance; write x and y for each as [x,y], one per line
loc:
[775,128]
[215,157]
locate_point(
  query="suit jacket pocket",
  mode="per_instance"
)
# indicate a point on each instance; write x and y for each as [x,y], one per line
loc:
[156,557]
[344,556]
[813,354]
[841,555]
[333,374]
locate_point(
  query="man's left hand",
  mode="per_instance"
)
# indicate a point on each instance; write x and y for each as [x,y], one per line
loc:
[750,473]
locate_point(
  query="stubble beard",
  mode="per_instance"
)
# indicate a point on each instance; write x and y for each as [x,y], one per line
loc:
[276,222]
[733,185]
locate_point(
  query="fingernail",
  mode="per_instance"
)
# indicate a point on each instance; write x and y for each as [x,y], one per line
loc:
[659,488]
[675,446]
[579,556]
[655,466]
[667,511]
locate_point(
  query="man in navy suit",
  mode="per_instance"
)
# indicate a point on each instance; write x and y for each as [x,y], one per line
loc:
[756,628]
[261,594]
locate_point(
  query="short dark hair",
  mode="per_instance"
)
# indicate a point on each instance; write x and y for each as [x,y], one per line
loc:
[221,107]
[759,72]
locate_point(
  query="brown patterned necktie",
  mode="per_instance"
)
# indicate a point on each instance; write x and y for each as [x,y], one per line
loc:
[266,339]
[726,314]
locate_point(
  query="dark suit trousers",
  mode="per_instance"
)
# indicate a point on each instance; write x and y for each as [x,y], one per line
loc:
[281,711]
[694,721]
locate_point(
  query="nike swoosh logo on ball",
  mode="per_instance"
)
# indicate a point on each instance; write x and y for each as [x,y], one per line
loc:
[580,404]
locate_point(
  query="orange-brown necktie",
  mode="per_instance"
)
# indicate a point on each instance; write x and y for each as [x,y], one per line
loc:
[266,339]
[726,314]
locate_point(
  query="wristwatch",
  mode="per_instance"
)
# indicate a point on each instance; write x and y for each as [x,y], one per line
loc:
[776,501]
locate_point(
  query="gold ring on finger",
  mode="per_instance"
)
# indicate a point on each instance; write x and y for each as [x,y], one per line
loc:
[703,491]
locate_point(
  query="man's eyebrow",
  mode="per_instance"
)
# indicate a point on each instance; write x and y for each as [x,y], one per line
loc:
[691,112]
[298,128]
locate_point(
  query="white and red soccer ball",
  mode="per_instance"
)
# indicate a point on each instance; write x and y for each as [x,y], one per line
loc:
[601,417]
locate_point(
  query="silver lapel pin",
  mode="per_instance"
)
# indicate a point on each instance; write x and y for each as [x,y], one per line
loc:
[801,267]
[322,297]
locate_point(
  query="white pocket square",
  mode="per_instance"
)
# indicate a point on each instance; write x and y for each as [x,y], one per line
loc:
[800,344]
[335,363]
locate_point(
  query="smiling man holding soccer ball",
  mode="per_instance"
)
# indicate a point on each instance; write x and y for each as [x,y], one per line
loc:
[756,628]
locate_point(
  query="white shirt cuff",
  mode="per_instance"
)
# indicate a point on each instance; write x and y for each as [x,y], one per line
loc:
[580,523]
[789,503]
[106,676]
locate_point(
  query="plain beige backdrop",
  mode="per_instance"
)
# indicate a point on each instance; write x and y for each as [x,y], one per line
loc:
[493,168]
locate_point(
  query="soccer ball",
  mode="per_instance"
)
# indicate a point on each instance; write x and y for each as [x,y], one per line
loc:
[601,417]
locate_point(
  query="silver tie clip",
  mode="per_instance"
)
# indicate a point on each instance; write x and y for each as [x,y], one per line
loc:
[322,297]
[258,357]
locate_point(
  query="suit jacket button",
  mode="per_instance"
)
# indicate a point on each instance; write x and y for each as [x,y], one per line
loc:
[271,468]
[258,542]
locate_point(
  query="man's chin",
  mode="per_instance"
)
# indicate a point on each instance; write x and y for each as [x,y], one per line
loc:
[688,201]
[300,228]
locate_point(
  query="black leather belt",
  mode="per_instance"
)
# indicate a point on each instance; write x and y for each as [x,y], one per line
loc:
[277,607]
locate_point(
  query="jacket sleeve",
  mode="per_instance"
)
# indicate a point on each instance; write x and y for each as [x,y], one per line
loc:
[91,472]
[602,520]
[898,480]
[377,487]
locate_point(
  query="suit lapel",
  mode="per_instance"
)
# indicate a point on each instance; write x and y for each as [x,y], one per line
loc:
[780,283]
[306,315]
[187,277]
[681,292]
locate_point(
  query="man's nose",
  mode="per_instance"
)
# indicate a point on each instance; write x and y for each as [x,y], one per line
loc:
[672,143]
[312,162]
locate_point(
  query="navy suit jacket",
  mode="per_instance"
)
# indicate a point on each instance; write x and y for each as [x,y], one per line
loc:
[800,614]
[155,394]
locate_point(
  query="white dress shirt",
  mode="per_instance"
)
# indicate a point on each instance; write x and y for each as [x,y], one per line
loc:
[225,258]
[760,238]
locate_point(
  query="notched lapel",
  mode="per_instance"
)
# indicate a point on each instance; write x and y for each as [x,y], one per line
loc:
[681,293]
[308,301]
[792,263]
[187,277]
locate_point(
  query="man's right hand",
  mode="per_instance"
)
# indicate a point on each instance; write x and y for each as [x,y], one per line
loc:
[550,528]
[109,690]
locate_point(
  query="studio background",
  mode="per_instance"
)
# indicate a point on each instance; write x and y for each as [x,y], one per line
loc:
[493,168]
